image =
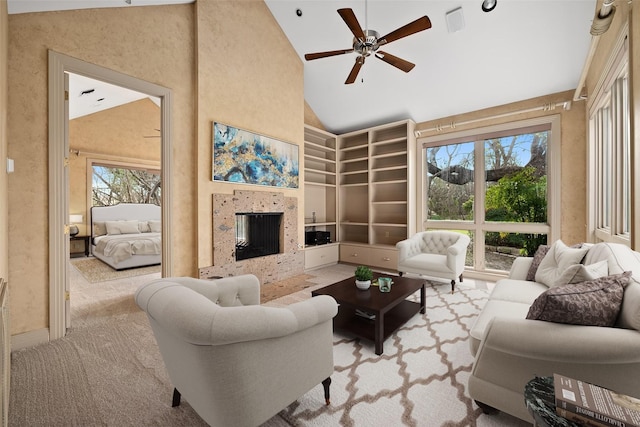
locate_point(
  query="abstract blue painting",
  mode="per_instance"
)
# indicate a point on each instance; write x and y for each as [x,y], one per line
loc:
[245,157]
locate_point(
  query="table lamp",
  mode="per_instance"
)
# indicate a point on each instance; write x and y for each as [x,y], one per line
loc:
[73,220]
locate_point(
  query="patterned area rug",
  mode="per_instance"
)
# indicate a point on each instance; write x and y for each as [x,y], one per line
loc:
[419,380]
[95,270]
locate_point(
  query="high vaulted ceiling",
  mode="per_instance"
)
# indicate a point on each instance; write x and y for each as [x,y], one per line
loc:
[520,50]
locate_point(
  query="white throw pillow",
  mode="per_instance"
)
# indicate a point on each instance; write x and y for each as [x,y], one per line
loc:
[122,227]
[559,258]
[155,226]
[581,273]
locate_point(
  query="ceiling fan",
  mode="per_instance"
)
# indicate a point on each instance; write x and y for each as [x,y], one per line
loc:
[367,42]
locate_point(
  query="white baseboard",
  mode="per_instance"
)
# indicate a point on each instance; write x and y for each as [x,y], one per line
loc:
[29,339]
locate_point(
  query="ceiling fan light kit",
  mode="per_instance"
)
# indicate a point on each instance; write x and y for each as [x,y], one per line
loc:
[367,42]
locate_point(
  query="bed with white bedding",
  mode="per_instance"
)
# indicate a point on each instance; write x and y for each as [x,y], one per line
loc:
[127,235]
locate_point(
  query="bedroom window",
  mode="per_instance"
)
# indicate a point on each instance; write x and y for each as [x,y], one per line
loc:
[609,155]
[117,184]
[495,185]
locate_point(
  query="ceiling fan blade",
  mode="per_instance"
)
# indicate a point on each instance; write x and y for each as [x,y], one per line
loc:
[400,63]
[318,55]
[355,70]
[420,24]
[352,22]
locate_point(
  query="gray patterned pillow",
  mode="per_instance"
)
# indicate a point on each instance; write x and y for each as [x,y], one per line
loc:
[592,303]
[537,258]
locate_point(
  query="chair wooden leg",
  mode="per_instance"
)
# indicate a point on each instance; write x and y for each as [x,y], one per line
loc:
[326,383]
[461,278]
[453,285]
[400,273]
[176,398]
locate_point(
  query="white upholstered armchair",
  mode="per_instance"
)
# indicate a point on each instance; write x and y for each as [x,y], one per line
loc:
[434,253]
[237,362]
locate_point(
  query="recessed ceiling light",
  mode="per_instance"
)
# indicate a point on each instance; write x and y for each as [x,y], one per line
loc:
[489,5]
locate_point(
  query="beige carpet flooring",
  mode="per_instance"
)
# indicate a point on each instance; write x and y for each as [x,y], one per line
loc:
[108,370]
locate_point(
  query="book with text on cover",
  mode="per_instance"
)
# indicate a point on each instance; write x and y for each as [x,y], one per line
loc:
[593,405]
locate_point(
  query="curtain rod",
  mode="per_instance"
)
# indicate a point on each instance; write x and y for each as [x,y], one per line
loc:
[566,105]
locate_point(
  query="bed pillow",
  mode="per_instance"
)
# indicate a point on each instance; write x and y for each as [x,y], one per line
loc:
[143,226]
[155,226]
[581,273]
[99,228]
[122,227]
[557,260]
[592,303]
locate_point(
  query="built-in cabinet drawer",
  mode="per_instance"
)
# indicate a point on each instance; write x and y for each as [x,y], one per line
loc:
[317,256]
[384,258]
[354,254]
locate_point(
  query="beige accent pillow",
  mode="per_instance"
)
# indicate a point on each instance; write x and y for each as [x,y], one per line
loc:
[143,226]
[155,226]
[122,227]
[99,228]
[581,273]
[559,258]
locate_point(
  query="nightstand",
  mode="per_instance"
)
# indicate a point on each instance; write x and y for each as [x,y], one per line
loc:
[78,245]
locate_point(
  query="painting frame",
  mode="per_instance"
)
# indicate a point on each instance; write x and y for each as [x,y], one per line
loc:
[244,157]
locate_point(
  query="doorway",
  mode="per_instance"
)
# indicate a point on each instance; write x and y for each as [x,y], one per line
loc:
[60,64]
[114,158]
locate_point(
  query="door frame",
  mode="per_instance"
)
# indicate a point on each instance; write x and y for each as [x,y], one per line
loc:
[58,178]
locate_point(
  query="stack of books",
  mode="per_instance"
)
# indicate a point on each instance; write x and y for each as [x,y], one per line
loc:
[591,405]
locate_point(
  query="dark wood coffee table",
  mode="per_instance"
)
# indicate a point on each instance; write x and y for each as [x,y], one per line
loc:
[391,309]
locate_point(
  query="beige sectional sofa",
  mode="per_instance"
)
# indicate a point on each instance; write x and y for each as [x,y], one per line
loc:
[510,349]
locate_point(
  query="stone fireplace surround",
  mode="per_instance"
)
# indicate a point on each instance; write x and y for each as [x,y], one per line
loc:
[270,268]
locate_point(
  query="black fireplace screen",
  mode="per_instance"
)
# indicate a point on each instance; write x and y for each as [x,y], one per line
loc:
[257,234]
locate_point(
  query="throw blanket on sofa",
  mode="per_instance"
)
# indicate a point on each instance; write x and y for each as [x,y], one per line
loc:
[123,246]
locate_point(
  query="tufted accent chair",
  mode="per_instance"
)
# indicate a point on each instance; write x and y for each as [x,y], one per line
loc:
[434,253]
[236,362]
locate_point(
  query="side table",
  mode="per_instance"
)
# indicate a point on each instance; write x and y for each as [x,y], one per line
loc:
[540,399]
[74,249]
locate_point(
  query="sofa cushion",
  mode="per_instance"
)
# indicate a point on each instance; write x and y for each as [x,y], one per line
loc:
[592,303]
[556,261]
[494,308]
[537,259]
[520,291]
[581,273]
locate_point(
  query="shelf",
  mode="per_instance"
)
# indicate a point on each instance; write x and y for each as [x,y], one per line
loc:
[307,157]
[390,202]
[319,184]
[318,146]
[320,171]
[319,224]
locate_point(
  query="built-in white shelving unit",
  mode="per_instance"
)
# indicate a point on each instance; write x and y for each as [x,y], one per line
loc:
[376,196]
[358,188]
[320,194]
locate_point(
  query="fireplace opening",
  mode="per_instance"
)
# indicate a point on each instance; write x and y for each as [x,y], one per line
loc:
[257,234]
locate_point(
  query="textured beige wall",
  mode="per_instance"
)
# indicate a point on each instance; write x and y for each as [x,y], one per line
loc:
[129,40]
[573,152]
[310,117]
[117,135]
[4,208]
[249,76]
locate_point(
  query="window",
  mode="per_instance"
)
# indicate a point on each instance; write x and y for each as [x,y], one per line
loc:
[609,152]
[494,185]
[111,185]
